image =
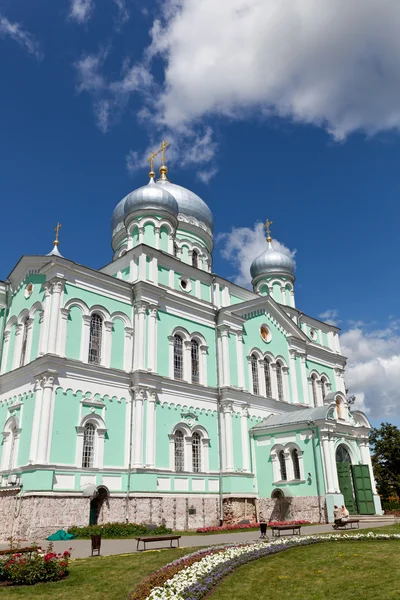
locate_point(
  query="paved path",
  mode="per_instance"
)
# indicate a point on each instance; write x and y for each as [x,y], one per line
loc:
[82,548]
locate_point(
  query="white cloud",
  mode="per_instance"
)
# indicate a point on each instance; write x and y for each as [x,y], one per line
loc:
[81,10]
[373,371]
[242,245]
[330,64]
[21,36]
[206,175]
[331,316]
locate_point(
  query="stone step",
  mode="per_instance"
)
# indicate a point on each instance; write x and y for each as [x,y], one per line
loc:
[376,518]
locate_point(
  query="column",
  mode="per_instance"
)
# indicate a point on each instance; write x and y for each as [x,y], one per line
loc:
[36,421]
[106,344]
[171,243]
[292,302]
[261,377]
[332,454]
[293,375]
[157,236]
[152,339]
[366,460]
[227,408]
[187,361]
[285,381]
[128,349]
[62,337]
[203,364]
[283,292]
[84,353]
[327,462]
[48,379]
[6,346]
[141,235]
[240,359]
[151,429]
[224,332]
[138,428]
[304,381]
[57,291]
[44,329]
[274,382]
[140,341]
[245,437]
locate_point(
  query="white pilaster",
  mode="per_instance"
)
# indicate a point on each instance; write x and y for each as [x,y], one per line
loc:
[226,375]
[261,377]
[62,336]
[84,352]
[304,381]
[285,381]
[128,349]
[107,344]
[274,381]
[141,235]
[293,375]
[326,454]
[227,408]
[157,236]
[6,347]
[187,360]
[171,243]
[240,359]
[48,379]
[245,438]
[36,421]
[138,427]
[152,339]
[151,429]
[56,302]
[17,345]
[332,453]
[203,364]
[44,329]
[140,341]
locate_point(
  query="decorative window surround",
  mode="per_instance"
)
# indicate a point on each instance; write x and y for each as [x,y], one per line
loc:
[287,452]
[100,431]
[188,452]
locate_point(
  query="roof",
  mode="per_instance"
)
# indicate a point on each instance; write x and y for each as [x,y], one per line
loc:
[298,416]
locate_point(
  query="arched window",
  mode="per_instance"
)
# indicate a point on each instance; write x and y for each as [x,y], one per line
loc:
[24,341]
[195,259]
[314,389]
[179,451]
[279,381]
[296,464]
[178,357]
[196,452]
[195,361]
[323,387]
[88,446]
[282,465]
[96,330]
[254,374]
[267,375]
[343,455]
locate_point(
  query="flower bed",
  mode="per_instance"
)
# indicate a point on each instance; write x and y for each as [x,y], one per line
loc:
[117,530]
[193,576]
[34,567]
[243,527]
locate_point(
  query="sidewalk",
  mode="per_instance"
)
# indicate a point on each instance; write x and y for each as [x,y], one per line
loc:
[82,548]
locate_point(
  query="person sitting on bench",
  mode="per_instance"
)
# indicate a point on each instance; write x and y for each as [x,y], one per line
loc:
[345,514]
[337,515]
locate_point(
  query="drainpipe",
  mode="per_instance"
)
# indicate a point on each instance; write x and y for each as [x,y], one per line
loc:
[6,312]
[128,486]
[310,425]
[221,504]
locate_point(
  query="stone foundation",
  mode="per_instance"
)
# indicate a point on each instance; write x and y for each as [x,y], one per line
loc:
[36,517]
[239,509]
[292,509]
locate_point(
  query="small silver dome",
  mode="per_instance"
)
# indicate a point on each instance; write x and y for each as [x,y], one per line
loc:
[189,203]
[150,196]
[272,261]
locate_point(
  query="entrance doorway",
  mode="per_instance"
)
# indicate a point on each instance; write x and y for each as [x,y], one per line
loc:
[96,504]
[354,483]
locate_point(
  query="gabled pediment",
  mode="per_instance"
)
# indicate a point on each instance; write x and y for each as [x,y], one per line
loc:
[264,305]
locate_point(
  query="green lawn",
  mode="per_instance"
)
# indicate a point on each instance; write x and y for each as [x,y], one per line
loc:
[331,571]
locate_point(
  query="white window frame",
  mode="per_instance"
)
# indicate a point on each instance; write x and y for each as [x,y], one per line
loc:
[99,436]
[188,450]
[11,436]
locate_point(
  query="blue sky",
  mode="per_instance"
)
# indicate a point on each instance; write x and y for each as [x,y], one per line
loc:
[270,115]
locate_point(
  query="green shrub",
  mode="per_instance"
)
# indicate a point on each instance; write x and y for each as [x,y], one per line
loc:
[117,530]
[391,504]
[34,567]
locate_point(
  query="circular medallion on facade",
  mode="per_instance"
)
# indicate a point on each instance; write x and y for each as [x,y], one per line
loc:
[28,290]
[265,333]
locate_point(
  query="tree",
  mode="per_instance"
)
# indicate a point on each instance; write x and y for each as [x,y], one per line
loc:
[385,443]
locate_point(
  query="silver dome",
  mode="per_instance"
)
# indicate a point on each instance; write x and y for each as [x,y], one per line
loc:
[117,219]
[272,261]
[150,196]
[189,203]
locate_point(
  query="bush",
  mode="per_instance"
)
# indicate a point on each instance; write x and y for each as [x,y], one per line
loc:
[392,504]
[244,526]
[117,530]
[34,567]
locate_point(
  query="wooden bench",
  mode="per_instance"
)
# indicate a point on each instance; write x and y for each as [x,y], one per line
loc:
[276,529]
[350,522]
[157,538]
[20,550]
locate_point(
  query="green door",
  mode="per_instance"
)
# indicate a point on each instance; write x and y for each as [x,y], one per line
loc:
[363,490]
[346,486]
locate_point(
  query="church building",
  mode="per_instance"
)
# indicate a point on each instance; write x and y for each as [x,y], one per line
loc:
[153,390]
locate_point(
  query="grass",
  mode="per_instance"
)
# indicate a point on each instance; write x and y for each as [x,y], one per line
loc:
[351,570]
[99,578]
[334,571]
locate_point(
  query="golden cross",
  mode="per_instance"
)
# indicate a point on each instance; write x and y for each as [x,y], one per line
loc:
[57,229]
[151,161]
[163,147]
[267,227]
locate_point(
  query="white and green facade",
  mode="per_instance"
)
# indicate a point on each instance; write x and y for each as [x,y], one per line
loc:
[153,390]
